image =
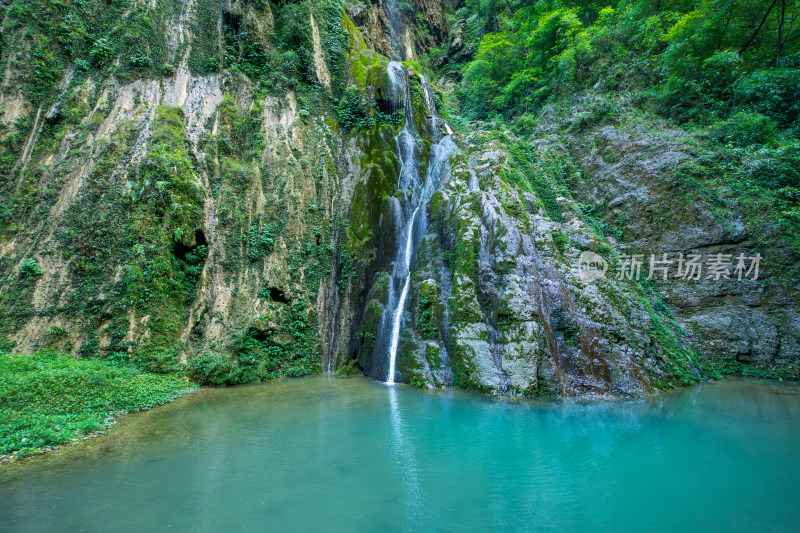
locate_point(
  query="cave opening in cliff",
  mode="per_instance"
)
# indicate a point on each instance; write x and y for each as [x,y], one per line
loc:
[232,21]
[182,250]
[386,104]
[277,295]
[54,119]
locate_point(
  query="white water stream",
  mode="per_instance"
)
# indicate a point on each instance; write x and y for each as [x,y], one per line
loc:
[418,192]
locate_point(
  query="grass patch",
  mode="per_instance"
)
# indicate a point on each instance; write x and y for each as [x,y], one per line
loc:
[49,399]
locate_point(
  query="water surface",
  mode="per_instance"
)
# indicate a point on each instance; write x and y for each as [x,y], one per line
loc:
[334,454]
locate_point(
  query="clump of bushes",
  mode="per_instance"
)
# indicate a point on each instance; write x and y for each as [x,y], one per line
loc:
[354,111]
[745,129]
[287,348]
[261,242]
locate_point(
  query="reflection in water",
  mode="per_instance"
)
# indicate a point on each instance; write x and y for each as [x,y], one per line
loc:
[405,465]
[350,453]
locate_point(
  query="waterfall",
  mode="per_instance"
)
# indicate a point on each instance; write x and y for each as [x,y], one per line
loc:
[418,193]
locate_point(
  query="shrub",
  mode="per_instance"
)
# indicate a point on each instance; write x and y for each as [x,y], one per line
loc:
[211,369]
[745,129]
[30,268]
[773,92]
[161,361]
[428,313]
[102,51]
[261,242]
[777,168]
[353,110]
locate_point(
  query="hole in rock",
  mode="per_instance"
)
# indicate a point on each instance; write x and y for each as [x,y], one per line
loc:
[277,295]
[232,20]
[388,105]
[55,119]
[260,335]
[180,250]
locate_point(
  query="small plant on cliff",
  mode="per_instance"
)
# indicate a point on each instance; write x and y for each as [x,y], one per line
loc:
[261,242]
[427,313]
[30,268]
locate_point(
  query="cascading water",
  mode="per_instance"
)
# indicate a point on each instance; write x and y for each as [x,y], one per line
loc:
[418,192]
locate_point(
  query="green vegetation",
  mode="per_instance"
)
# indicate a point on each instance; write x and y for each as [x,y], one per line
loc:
[429,313]
[276,61]
[164,269]
[260,241]
[701,58]
[124,195]
[30,267]
[725,70]
[168,184]
[353,110]
[356,111]
[48,399]
[260,354]
[87,35]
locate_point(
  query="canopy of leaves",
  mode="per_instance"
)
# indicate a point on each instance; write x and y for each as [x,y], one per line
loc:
[698,58]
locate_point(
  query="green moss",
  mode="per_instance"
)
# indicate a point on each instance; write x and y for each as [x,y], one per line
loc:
[348,369]
[368,71]
[168,186]
[560,240]
[370,199]
[429,310]
[371,320]
[463,258]
[728,366]
[410,367]
[681,362]
[355,40]
[433,355]
[464,374]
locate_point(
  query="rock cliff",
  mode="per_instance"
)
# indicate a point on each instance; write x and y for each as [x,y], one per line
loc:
[216,185]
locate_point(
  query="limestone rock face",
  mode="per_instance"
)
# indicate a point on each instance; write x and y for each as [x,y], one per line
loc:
[631,173]
[516,317]
[165,211]
[413,28]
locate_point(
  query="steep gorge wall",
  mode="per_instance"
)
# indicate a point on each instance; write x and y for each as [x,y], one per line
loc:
[177,184]
[169,211]
[197,185]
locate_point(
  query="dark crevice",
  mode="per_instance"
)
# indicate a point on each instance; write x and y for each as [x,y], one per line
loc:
[388,105]
[181,250]
[259,335]
[232,20]
[55,119]
[277,295]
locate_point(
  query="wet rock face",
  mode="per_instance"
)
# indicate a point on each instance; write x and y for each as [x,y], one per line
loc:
[516,316]
[422,24]
[457,49]
[632,174]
